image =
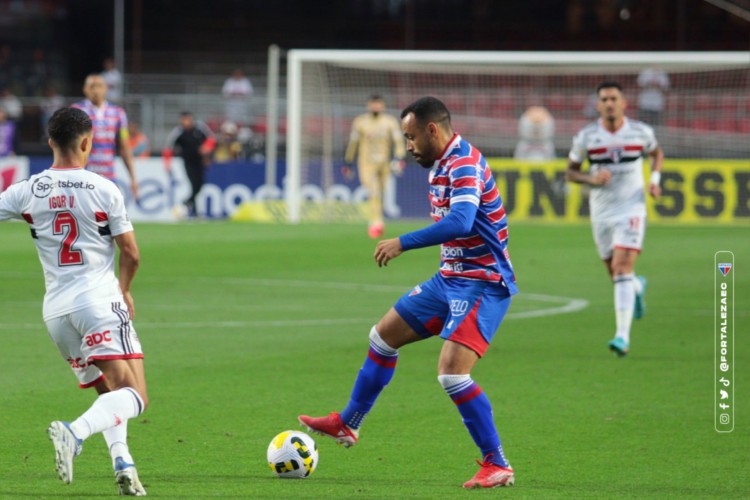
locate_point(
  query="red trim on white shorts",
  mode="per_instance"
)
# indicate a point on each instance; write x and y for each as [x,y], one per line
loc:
[627,248]
[92,384]
[115,356]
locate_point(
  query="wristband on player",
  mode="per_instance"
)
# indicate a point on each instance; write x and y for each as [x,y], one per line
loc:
[655,178]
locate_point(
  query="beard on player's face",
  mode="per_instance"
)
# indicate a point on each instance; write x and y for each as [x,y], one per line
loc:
[425,156]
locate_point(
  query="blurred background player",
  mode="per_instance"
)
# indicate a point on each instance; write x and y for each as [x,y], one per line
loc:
[193,141]
[536,128]
[110,131]
[376,141]
[615,146]
[87,309]
[464,303]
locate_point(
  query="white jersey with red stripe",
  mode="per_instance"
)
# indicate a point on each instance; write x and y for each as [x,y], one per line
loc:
[621,152]
[73,215]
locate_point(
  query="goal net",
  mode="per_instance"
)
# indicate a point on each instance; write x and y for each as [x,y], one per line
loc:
[698,102]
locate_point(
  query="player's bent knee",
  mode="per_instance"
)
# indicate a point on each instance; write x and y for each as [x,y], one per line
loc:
[377,339]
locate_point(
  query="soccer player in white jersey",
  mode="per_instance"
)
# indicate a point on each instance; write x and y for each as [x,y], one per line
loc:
[76,218]
[615,146]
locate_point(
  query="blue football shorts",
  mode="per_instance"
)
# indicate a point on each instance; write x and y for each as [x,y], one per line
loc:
[468,312]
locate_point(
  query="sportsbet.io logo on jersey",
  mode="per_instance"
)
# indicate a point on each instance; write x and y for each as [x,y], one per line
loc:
[42,186]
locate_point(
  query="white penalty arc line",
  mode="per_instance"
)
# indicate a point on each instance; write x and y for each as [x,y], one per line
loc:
[567,304]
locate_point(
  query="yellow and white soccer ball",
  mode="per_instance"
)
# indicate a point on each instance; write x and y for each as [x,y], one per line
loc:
[292,455]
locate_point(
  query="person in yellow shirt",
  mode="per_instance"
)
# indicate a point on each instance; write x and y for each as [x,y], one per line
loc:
[377,143]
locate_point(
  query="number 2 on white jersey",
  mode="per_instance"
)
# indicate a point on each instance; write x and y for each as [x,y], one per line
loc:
[66,224]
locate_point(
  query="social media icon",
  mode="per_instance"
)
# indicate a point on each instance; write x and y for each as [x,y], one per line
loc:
[723,394]
[724,418]
[724,381]
[724,406]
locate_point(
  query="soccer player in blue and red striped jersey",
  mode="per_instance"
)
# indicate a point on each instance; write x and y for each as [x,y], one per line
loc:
[110,131]
[464,303]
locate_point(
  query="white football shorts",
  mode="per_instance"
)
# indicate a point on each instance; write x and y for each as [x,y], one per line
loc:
[626,233]
[100,332]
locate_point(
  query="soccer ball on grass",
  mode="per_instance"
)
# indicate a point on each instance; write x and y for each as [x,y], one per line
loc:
[292,455]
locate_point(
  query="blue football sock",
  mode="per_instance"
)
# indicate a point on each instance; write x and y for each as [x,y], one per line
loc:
[374,375]
[476,410]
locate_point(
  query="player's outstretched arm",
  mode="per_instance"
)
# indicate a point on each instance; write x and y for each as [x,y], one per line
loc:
[129,261]
[458,223]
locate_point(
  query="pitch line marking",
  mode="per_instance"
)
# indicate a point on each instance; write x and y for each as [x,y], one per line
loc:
[566,305]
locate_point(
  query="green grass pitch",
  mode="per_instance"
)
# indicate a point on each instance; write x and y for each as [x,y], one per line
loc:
[245,326]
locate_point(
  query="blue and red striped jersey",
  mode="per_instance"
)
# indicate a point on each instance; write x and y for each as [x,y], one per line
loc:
[108,122]
[480,252]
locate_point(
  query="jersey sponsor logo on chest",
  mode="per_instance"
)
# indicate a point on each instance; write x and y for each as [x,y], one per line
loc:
[440,211]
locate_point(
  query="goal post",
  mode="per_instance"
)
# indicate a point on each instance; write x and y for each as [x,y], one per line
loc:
[707,103]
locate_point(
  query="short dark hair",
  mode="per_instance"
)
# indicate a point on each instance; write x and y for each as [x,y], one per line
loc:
[428,109]
[608,85]
[68,124]
[183,114]
[375,97]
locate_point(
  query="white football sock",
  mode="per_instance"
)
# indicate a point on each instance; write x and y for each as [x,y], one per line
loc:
[117,442]
[380,345]
[624,303]
[109,410]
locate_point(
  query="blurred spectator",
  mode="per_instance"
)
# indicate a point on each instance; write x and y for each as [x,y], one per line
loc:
[113,79]
[228,147]
[252,144]
[11,103]
[536,128]
[139,143]
[237,91]
[653,82]
[51,102]
[7,135]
